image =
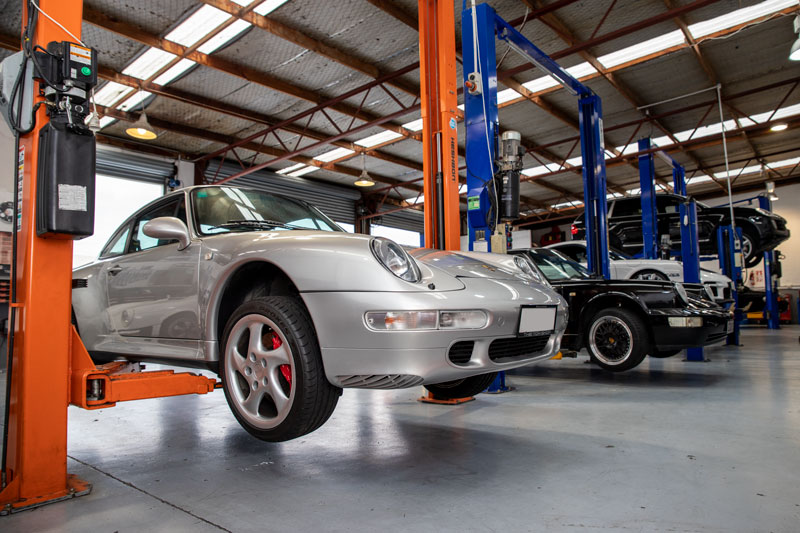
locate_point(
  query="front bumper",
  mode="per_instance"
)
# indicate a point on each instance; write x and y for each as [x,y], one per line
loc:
[355,356]
[717,324]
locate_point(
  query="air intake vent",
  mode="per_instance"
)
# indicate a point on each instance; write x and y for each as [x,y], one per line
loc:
[391,381]
[503,349]
[461,352]
[80,283]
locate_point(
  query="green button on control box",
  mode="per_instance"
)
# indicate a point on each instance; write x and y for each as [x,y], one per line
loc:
[86,71]
[473,202]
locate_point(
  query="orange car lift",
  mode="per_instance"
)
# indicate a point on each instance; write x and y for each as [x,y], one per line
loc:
[439,98]
[49,367]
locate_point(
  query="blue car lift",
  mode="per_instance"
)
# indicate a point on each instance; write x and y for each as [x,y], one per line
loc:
[771,313]
[480,25]
[690,247]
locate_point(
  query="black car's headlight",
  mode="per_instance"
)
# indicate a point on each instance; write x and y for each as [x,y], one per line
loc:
[395,259]
[682,295]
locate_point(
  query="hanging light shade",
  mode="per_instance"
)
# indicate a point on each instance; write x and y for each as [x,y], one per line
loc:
[364,180]
[141,129]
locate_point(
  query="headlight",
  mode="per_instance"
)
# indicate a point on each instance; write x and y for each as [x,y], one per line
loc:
[709,292]
[392,256]
[426,320]
[526,268]
[685,322]
[682,293]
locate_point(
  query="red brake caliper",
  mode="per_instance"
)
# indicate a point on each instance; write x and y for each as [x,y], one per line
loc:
[286,370]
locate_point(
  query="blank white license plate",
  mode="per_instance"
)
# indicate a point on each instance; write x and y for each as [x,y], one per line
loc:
[537,319]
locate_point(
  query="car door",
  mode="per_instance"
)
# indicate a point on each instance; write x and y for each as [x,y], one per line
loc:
[153,287]
[625,225]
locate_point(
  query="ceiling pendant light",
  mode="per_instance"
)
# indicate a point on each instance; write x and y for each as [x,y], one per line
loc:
[141,129]
[364,180]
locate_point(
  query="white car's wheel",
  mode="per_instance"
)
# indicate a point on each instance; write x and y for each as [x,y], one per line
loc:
[272,372]
[650,274]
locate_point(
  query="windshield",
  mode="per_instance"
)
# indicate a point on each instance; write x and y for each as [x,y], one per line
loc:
[226,209]
[556,267]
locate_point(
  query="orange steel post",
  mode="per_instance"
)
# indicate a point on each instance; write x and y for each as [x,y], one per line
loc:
[36,461]
[437,55]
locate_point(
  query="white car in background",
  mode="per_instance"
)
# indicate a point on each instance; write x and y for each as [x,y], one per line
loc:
[624,267]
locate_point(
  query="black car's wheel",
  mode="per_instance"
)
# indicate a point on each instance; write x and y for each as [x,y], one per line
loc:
[271,370]
[650,274]
[617,339]
[663,354]
[751,258]
[462,388]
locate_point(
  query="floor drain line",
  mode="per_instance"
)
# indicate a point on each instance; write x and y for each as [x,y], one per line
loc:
[165,502]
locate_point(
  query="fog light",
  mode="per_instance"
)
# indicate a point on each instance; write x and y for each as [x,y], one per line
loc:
[462,319]
[401,320]
[685,322]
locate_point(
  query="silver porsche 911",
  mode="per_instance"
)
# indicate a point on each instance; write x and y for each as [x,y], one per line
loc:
[289,309]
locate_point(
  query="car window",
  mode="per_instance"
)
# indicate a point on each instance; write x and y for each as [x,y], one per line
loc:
[666,204]
[557,267]
[140,241]
[116,245]
[625,208]
[575,252]
[230,209]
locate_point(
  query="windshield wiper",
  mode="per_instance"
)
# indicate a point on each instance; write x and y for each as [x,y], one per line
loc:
[255,224]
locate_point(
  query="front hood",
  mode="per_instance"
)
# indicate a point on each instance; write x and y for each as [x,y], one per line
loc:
[464,266]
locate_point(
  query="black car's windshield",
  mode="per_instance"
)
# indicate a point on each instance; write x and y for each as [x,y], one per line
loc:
[226,209]
[556,267]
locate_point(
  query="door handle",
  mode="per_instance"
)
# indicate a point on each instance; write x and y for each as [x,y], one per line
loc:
[116,269]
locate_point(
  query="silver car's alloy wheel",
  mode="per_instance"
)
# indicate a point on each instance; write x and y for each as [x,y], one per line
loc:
[261,370]
[611,340]
[650,275]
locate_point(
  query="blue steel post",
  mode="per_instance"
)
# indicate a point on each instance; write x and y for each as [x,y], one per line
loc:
[480,111]
[727,252]
[690,256]
[771,314]
[678,179]
[647,182]
[594,184]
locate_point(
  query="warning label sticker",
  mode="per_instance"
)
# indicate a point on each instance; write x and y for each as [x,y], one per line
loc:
[80,54]
[21,171]
[71,197]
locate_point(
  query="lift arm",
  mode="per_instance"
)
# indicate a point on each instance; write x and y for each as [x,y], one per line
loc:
[480,25]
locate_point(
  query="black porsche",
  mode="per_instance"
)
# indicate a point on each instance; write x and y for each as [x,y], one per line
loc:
[621,321]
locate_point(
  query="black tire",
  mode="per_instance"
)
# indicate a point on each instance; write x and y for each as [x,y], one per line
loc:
[461,388]
[617,339]
[663,354]
[650,274]
[293,395]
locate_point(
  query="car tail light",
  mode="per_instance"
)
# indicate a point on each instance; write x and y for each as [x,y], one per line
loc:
[574,230]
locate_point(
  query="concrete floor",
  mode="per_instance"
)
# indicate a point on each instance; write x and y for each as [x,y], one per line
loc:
[669,446]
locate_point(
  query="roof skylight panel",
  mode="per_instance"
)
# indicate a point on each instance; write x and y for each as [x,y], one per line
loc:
[414,125]
[175,71]
[739,16]
[201,23]
[378,138]
[134,100]
[507,96]
[269,6]
[106,121]
[110,93]
[147,64]
[637,51]
[334,154]
[291,168]
[303,171]
[540,84]
[224,37]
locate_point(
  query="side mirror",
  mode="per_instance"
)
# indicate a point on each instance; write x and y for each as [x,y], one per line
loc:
[168,228]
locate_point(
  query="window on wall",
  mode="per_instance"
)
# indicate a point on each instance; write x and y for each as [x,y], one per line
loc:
[400,236]
[115,200]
